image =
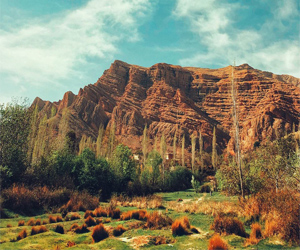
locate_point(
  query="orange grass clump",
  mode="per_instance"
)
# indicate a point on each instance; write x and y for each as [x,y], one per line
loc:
[88,213]
[31,222]
[52,219]
[114,213]
[38,230]
[217,243]
[181,226]
[82,229]
[90,221]
[9,225]
[38,222]
[134,214]
[21,223]
[22,234]
[75,216]
[255,235]
[100,212]
[99,233]
[74,226]
[228,225]
[157,220]
[59,229]
[119,230]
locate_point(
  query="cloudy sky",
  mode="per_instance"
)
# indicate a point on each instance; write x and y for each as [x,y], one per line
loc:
[49,47]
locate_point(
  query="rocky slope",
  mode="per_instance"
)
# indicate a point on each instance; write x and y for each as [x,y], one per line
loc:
[169,98]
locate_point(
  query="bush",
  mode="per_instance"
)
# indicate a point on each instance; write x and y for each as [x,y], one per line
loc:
[38,230]
[31,222]
[81,202]
[90,221]
[119,230]
[228,225]
[88,213]
[22,234]
[9,225]
[52,219]
[75,216]
[99,233]
[100,212]
[38,222]
[82,229]
[134,214]
[181,227]
[179,179]
[255,234]
[73,227]
[21,223]
[59,229]
[157,220]
[114,213]
[217,243]
[205,188]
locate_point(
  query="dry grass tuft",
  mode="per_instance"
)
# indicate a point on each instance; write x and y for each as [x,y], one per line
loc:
[228,225]
[217,243]
[73,227]
[21,223]
[100,212]
[75,216]
[114,213]
[134,214]
[82,229]
[38,222]
[156,220]
[52,219]
[143,202]
[181,227]
[88,213]
[255,235]
[38,230]
[119,230]
[71,244]
[45,222]
[59,229]
[80,202]
[22,234]
[90,221]
[99,233]
[31,222]
[9,225]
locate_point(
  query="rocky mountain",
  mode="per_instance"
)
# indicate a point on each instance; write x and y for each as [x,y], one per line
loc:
[187,99]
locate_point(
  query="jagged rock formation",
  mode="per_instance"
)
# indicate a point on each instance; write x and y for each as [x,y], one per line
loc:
[168,97]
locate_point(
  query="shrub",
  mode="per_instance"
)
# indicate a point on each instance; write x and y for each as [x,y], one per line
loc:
[217,243]
[38,222]
[81,202]
[181,227]
[119,230]
[22,234]
[90,221]
[100,212]
[45,222]
[99,233]
[59,218]
[38,230]
[205,188]
[21,223]
[31,222]
[157,220]
[74,226]
[114,213]
[59,229]
[52,219]
[82,229]
[75,216]
[255,234]
[88,213]
[228,225]
[9,225]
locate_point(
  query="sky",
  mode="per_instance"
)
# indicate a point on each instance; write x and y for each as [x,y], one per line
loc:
[52,46]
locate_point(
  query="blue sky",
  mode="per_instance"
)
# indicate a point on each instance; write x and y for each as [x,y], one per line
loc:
[49,47]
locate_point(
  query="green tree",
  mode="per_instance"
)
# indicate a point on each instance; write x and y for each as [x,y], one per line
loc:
[154,160]
[163,149]
[14,131]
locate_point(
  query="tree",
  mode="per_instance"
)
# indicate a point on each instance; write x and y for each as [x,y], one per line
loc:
[163,149]
[111,140]
[100,140]
[182,149]
[145,145]
[201,151]
[193,139]
[14,131]
[174,145]
[154,160]
[214,150]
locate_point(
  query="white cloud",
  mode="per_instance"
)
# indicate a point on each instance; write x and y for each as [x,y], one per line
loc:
[46,51]
[214,23]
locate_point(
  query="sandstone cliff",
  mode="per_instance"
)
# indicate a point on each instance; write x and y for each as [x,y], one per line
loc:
[169,98]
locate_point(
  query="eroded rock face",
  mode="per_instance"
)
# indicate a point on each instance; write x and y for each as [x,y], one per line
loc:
[169,98]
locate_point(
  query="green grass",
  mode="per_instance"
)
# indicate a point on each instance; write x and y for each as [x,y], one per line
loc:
[50,239]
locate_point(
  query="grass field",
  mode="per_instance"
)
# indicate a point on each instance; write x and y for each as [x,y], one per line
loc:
[137,236]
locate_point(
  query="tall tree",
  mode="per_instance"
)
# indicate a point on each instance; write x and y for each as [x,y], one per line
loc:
[163,149]
[214,150]
[14,131]
[99,140]
[201,151]
[182,149]
[174,144]
[193,139]
[145,145]
[111,140]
